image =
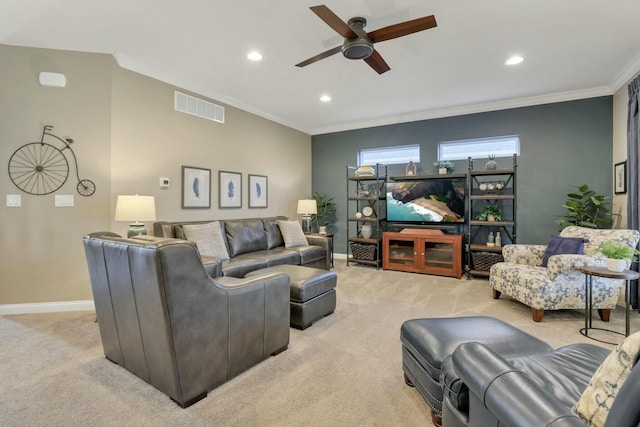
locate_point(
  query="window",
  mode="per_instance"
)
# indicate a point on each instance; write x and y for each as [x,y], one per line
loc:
[500,146]
[389,155]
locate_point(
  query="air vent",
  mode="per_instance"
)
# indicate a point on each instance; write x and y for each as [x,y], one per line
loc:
[198,107]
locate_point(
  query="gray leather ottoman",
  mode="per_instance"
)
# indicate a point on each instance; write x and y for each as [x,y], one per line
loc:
[426,343]
[313,293]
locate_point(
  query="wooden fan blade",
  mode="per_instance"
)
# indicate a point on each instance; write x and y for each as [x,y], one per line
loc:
[403,29]
[376,62]
[320,56]
[332,20]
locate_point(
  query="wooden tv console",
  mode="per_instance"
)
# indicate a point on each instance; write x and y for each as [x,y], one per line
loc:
[423,251]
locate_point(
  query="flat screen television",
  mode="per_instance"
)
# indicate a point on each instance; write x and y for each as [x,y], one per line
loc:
[426,201]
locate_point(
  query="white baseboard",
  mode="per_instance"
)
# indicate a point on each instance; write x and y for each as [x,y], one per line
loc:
[340,256]
[47,307]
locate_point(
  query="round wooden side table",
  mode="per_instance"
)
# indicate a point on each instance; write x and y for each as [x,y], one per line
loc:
[590,272]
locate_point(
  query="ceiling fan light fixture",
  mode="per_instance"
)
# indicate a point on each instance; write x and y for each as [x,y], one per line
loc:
[358,44]
[357,49]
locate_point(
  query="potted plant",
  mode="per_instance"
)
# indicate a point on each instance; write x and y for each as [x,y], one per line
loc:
[585,208]
[444,166]
[490,213]
[619,255]
[326,212]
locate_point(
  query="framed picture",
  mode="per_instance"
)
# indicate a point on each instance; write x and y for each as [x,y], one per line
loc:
[230,195]
[196,188]
[620,178]
[258,191]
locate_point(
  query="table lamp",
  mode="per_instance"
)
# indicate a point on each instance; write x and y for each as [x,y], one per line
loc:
[136,208]
[307,207]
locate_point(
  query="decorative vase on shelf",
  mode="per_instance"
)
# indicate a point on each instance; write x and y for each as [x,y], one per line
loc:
[491,164]
[490,239]
[442,171]
[366,231]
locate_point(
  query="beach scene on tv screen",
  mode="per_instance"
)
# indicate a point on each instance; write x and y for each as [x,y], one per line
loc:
[424,201]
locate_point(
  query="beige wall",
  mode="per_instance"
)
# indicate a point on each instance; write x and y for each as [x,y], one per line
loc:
[127,136]
[620,110]
[150,140]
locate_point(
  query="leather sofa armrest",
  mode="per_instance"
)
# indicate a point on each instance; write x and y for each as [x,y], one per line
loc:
[231,283]
[324,243]
[163,229]
[260,301]
[506,392]
[523,254]
[99,234]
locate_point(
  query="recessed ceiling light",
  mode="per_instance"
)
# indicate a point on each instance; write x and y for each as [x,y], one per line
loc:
[254,56]
[514,60]
[325,98]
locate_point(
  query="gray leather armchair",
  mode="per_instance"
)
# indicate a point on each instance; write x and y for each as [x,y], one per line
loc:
[533,390]
[162,317]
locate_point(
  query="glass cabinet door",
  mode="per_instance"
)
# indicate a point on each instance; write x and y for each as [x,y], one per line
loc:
[438,255]
[402,252]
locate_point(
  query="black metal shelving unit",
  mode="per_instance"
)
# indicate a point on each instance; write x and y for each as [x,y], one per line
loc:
[365,192]
[480,256]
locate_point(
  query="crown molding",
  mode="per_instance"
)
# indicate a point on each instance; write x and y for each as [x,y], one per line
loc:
[467,109]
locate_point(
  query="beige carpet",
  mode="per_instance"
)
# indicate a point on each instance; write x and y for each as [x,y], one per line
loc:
[345,370]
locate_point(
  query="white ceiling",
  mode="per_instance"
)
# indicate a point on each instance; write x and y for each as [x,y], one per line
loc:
[572,48]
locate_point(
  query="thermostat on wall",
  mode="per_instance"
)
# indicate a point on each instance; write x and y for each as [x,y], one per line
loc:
[165,183]
[52,79]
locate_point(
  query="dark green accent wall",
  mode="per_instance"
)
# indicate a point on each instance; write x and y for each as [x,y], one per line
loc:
[561,144]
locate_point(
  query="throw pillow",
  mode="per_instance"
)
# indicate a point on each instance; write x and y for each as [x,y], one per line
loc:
[596,400]
[562,245]
[292,234]
[209,239]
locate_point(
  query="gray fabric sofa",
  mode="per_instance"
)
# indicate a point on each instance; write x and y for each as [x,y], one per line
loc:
[253,244]
[163,318]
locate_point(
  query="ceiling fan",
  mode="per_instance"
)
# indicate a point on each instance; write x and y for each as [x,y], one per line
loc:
[358,44]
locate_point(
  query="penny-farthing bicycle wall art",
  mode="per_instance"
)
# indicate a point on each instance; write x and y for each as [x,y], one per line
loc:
[40,168]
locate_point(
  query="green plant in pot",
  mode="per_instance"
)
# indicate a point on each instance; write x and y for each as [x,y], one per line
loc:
[326,212]
[586,208]
[490,213]
[444,165]
[619,255]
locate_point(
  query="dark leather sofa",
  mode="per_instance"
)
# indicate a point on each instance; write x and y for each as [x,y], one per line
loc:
[483,388]
[163,318]
[253,244]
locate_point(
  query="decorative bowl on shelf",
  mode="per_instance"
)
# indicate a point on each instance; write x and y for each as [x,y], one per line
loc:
[491,186]
[365,171]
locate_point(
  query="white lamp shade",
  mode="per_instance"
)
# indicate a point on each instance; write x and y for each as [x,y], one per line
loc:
[135,208]
[307,207]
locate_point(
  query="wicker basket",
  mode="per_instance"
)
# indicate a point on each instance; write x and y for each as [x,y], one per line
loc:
[364,252]
[484,260]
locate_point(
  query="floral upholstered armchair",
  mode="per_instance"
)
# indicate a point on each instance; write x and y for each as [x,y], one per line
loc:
[559,284]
